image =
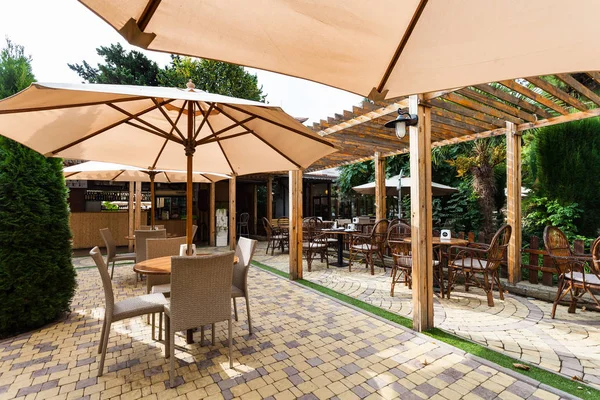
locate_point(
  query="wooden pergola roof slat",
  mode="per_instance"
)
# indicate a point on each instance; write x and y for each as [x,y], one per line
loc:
[492,107]
[517,87]
[556,92]
[579,87]
[509,98]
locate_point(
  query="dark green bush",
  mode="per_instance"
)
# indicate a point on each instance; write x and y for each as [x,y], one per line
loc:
[37,278]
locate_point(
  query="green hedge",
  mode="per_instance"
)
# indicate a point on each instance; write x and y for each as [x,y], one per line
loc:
[37,278]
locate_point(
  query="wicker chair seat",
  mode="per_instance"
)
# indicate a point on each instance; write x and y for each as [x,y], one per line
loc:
[165,288]
[407,261]
[314,245]
[590,279]
[365,247]
[236,292]
[124,257]
[140,305]
[469,262]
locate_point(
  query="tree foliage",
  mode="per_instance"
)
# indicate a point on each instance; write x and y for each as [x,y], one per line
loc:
[119,67]
[37,279]
[212,76]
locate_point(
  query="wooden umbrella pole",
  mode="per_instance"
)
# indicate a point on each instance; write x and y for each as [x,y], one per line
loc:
[152,201]
[189,152]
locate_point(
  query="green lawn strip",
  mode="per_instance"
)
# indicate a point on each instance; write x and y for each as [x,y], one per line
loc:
[539,374]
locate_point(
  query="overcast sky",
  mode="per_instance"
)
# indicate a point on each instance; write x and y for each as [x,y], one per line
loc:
[57,32]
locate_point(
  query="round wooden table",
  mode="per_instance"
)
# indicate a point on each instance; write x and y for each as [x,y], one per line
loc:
[162,265]
[169,235]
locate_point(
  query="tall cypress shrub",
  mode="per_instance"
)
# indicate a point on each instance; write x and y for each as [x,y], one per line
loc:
[37,278]
[568,166]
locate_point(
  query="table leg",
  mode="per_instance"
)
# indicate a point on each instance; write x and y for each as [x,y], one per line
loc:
[189,336]
[340,256]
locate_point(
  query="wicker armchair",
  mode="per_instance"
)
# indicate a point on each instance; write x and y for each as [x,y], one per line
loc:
[480,259]
[402,266]
[275,238]
[128,308]
[314,242]
[111,251]
[369,245]
[239,288]
[571,268]
[200,295]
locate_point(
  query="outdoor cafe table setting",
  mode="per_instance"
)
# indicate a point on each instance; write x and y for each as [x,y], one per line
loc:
[340,232]
[162,266]
[441,244]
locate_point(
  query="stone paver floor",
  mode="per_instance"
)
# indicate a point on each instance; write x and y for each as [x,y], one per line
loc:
[305,346]
[518,326]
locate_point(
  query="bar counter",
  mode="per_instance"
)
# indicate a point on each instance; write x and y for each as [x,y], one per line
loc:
[86,226]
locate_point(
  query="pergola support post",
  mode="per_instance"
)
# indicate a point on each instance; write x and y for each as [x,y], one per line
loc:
[211,214]
[513,201]
[232,220]
[380,190]
[421,224]
[269,213]
[295,228]
[131,229]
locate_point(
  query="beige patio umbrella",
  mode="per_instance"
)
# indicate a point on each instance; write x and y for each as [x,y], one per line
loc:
[94,170]
[404,46]
[159,129]
[392,188]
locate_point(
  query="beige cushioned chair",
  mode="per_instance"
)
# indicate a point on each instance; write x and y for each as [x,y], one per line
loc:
[200,295]
[111,250]
[128,308]
[140,242]
[239,288]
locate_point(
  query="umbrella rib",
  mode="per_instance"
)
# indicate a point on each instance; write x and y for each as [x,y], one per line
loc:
[220,146]
[119,174]
[261,139]
[148,13]
[163,112]
[106,128]
[167,140]
[137,118]
[402,44]
[159,134]
[205,118]
[212,139]
[206,177]
[167,176]
[60,107]
[299,132]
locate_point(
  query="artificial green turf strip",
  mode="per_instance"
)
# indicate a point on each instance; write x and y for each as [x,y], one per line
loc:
[541,375]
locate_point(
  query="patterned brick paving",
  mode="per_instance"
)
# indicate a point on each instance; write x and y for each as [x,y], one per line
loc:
[520,327]
[305,346]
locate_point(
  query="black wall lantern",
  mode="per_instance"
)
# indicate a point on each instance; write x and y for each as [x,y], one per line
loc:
[403,120]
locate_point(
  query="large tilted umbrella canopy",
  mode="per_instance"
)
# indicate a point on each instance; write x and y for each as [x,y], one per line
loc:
[391,187]
[404,46]
[94,170]
[159,128]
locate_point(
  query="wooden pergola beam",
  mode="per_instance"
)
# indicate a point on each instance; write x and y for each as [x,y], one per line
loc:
[232,210]
[556,92]
[211,214]
[269,213]
[461,118]
[492,107]
[509,98]
[579,87]
[538,98]
[467,112]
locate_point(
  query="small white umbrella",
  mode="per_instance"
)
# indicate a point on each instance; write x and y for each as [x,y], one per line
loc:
[159,128]
[94,170]
[391,187]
